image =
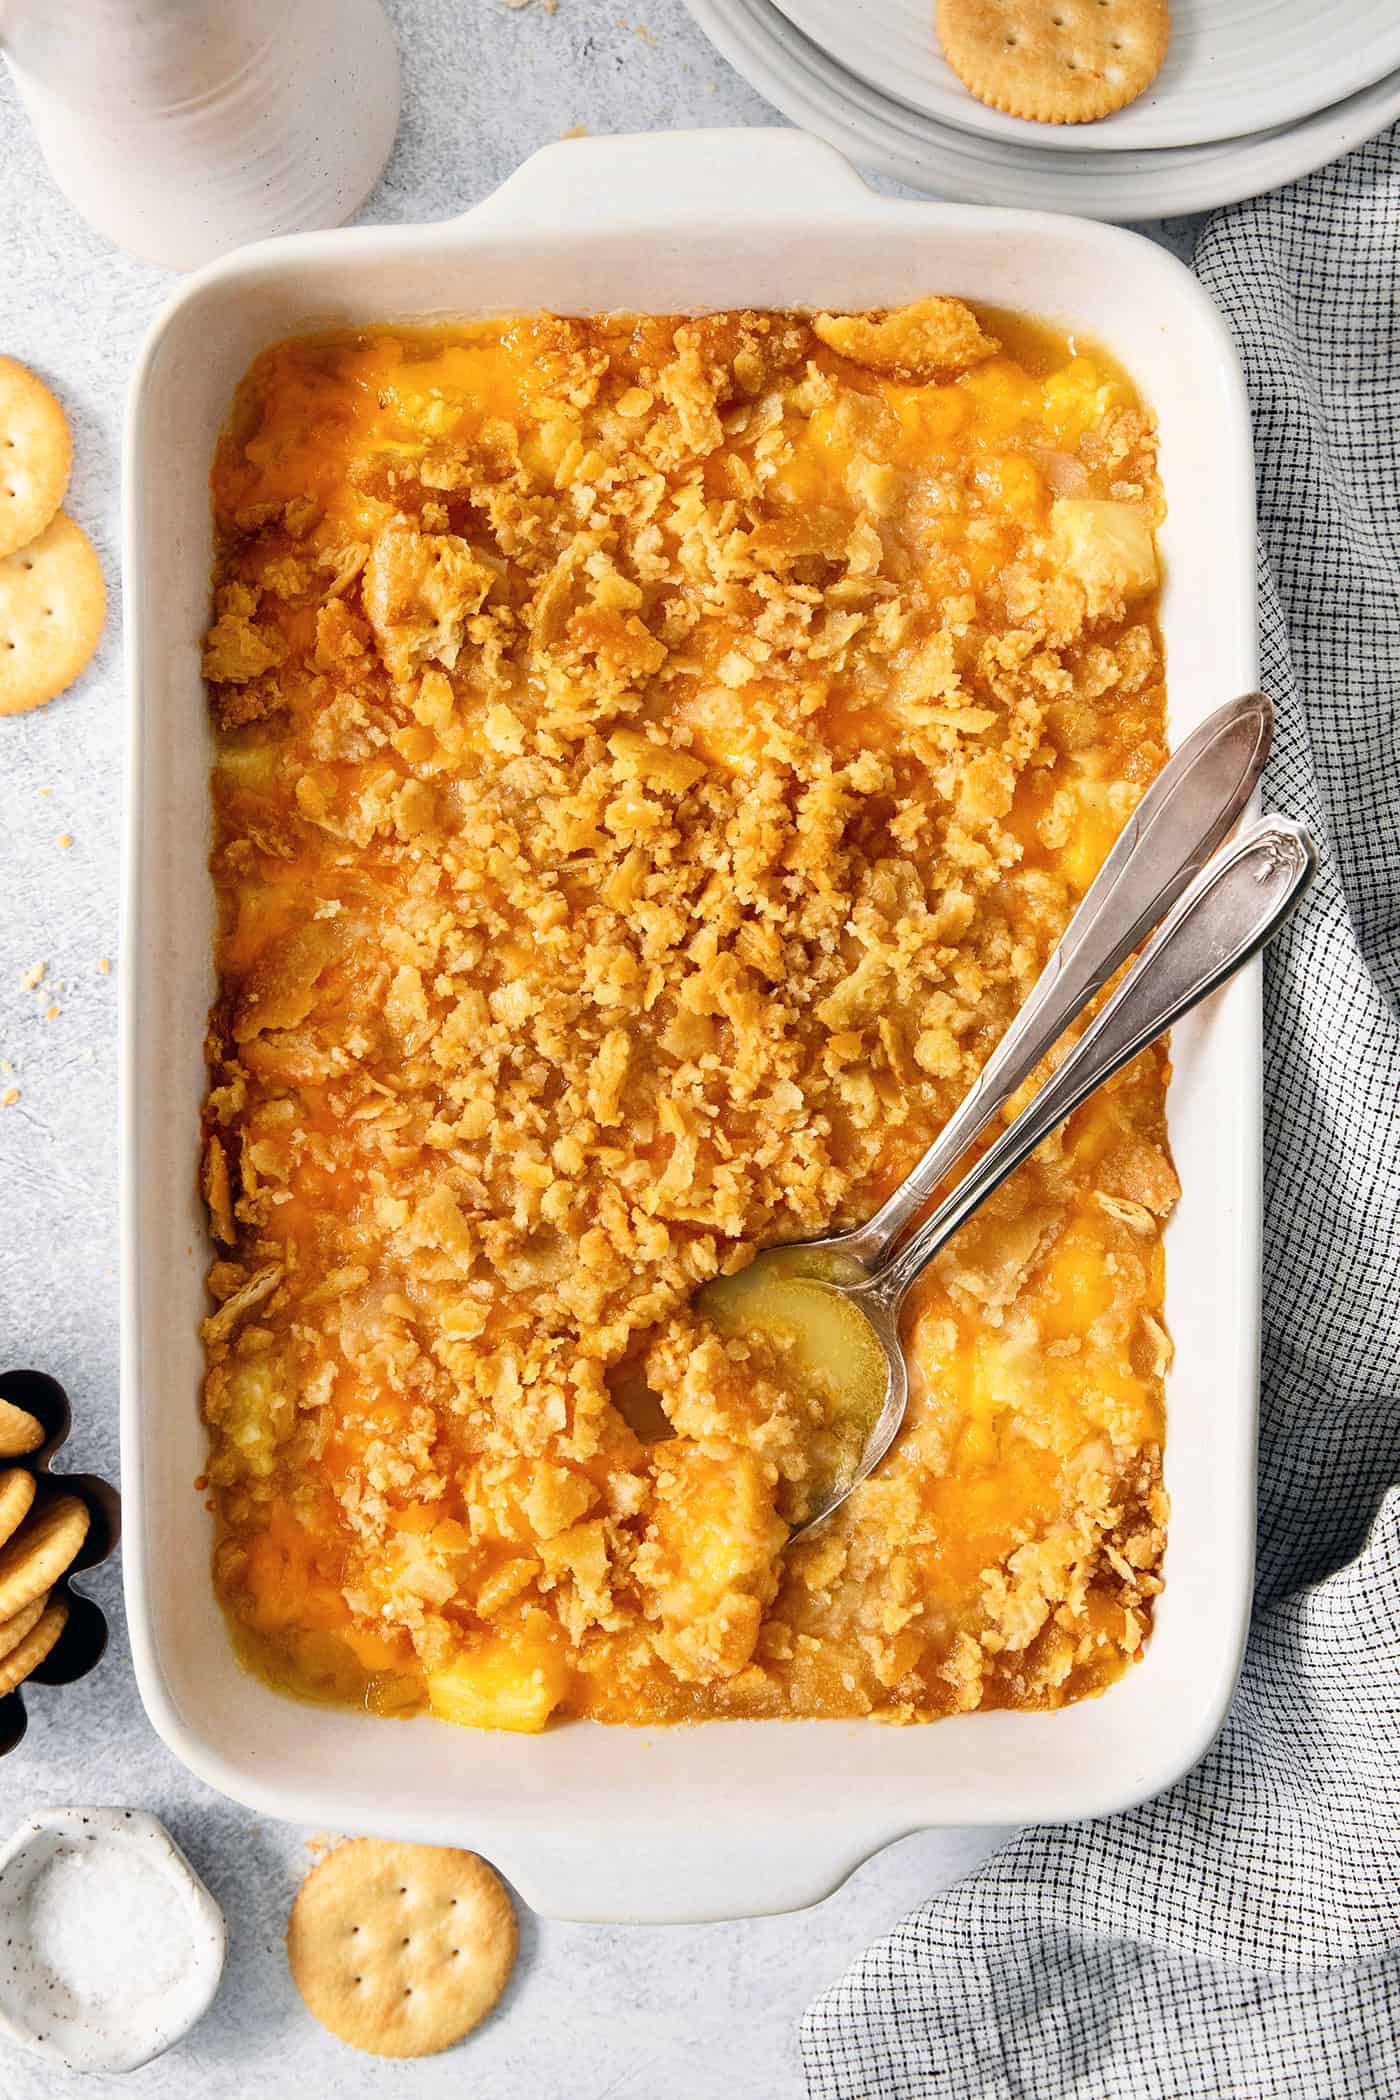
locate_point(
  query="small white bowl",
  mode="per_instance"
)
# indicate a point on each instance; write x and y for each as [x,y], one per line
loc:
[111,1947]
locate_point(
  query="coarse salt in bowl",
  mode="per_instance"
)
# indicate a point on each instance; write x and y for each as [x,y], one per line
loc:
[111,1947]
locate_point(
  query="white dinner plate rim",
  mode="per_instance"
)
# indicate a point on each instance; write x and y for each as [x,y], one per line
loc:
[890,58]
[813,92]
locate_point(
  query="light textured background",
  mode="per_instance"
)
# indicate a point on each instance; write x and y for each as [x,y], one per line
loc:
[707,2012]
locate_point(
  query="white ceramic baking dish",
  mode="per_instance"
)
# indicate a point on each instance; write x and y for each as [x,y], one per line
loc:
[728,1818]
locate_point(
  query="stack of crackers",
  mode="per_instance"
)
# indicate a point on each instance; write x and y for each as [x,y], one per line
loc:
[52,601]
[38,1545]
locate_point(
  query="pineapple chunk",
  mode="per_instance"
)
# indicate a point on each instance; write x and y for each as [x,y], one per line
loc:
[514,1681]
[710,1559]
[1106,546]
[258,1411]
[248,766]
[1096,825]
[1081,1284]
[719,1533]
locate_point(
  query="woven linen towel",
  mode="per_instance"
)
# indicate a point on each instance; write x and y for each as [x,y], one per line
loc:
[1240,1936]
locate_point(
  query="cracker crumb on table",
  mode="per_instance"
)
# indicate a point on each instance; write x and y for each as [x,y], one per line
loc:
[655,758]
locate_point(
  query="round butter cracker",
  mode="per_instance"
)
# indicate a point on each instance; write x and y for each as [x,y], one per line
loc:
[52,605]
[45,1545]
[19,1431]
[1055,61]
[14,1630]
[401,1950]
[16,1494]
[25,1658]
[36,453]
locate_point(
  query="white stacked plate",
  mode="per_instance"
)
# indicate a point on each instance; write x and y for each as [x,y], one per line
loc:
[1253,94]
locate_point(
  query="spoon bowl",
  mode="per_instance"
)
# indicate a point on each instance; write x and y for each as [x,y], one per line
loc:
[817,1297]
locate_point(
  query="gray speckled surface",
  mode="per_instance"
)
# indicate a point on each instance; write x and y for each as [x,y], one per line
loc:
[708,2011]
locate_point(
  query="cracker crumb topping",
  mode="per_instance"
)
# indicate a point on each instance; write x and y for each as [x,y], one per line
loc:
[655,758]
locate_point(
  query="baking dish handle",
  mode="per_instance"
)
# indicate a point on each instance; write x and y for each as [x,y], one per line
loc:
[699,1871]
[632,181]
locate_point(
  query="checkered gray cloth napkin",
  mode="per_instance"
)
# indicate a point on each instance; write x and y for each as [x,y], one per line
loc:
[1240,1936]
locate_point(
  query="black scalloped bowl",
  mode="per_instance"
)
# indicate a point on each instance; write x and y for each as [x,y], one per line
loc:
[79,1648]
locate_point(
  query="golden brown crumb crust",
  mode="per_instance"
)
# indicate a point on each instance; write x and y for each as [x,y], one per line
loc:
[655,759]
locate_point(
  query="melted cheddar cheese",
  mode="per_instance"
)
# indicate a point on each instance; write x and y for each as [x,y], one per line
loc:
[655,758]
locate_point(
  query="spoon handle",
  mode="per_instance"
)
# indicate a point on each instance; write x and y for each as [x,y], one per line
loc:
[1191,806]
[1230,910]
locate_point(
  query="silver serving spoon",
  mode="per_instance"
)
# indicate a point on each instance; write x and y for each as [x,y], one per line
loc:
[823,1293]
[1192,805]
[1191,808]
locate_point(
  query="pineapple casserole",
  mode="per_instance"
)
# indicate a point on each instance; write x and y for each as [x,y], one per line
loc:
[654,758]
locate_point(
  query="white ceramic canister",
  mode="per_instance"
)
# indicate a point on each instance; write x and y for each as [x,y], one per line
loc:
[182,128]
